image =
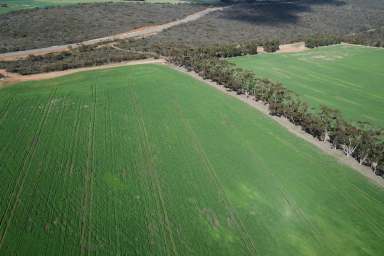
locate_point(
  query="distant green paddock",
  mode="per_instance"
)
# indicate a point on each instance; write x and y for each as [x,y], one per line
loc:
[145,160]
[348,78]
[14,5]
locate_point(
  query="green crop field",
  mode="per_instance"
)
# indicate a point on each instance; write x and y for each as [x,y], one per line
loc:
[14,5]
[347,78]
[145,160]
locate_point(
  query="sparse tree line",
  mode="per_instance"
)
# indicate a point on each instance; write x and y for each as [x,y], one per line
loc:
[373,37]
[360,141]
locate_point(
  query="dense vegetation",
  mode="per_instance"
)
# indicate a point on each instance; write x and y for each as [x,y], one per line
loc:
[74,24]
[363,142]
[286,21]
[372,37]
[144,160]
[102,54]
[271,46]
[79,57]
[321,40]
[258,21]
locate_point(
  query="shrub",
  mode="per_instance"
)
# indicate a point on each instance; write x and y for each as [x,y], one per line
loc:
[321,40]
[271,46]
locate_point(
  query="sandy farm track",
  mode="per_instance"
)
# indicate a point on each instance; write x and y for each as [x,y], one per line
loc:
[12,78]
[140,32]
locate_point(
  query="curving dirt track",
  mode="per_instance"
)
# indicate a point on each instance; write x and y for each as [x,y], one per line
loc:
[140,32]
[12,78]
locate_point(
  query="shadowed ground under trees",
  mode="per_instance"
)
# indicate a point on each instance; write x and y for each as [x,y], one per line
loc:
[282,20]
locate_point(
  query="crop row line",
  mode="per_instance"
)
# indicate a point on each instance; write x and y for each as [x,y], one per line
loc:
[23,172]
[154,177]
[245,237]
[85,233]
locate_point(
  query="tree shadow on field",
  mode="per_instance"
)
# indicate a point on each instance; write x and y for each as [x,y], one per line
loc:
[272,11]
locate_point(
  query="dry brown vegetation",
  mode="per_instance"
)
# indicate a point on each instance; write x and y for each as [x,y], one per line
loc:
[372,37]
[72,24]
[278,20]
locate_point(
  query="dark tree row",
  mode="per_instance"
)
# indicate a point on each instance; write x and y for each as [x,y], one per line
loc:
[76,58]
[321,40]
[373,37]
[271,46]
[362,142]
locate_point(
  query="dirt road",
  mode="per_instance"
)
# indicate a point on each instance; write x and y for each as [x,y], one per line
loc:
[140,32]
[12,78]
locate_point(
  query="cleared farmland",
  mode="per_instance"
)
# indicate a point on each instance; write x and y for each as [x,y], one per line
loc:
[145,160]
[345,77]
[14,5]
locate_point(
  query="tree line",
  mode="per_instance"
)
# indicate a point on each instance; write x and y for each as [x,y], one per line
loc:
[271,46]
[373,37]
[321,40]
[83,56]
[360,141]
